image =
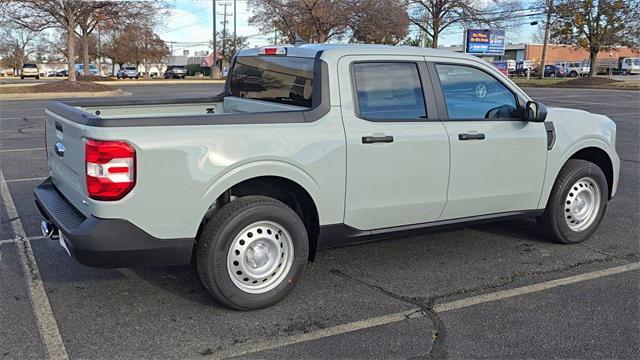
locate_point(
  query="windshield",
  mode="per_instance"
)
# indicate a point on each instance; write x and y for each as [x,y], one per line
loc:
[280,79]
[129,68]
[30,66]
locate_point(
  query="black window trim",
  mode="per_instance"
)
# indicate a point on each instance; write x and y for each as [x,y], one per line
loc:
[423,77]
[317,86]
[442,105]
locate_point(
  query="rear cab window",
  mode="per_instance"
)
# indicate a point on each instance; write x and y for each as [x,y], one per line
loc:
[279,79]
[389,91]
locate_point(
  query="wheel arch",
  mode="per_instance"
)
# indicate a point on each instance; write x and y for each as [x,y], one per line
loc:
[599,157]
[284,182]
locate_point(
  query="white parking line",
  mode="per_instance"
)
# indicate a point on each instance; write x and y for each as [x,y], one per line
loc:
[45,320]
[28,130]
[25,179]
[16,150]
[247,349]
[624,114]
[11,241]
[22,117]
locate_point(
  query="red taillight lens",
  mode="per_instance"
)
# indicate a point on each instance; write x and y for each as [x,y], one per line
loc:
[110,169]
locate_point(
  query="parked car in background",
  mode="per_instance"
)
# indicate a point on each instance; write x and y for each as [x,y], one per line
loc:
[62,73]
[550,71]
[30,70]
[175,72]
[522,67]
[50,73]
[128,72]
[574,69]
[92,69]
[315,146]
[630,66]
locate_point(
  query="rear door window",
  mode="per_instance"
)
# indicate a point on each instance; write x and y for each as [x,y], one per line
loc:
[280,79]
[388,91]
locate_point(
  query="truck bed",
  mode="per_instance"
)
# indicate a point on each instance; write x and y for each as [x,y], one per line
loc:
[156,108]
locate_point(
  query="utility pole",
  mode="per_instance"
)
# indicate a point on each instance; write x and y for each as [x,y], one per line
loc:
[235,28]
[547,30]
[224,35]
[214,56]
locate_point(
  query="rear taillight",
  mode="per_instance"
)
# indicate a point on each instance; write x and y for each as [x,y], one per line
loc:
[110,169]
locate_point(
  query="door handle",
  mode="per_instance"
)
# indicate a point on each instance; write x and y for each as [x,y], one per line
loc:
[377,139]
[463,137]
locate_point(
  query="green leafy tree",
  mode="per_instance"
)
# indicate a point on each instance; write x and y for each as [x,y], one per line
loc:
[597,25]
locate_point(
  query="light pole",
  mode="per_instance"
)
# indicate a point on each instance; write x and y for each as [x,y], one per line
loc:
[214,56]
[547,30]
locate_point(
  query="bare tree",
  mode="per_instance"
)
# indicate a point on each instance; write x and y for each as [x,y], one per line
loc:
[379,21]
[16,46]
[136,44]
[435,16]
[115,15]
[597,25]
[313,20]
[37,15]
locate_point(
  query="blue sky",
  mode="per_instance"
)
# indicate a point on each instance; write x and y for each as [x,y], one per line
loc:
[190,24]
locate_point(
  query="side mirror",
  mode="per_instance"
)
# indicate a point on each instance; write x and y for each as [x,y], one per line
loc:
[535,112]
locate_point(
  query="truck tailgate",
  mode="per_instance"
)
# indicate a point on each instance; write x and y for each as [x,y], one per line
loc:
[65,152]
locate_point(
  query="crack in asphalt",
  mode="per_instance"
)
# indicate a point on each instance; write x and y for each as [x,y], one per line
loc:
[503,281]
[439,334]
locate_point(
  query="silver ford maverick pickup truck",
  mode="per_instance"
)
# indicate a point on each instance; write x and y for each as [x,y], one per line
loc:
[310,147]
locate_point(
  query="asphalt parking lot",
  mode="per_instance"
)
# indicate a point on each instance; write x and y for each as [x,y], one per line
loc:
[489,291]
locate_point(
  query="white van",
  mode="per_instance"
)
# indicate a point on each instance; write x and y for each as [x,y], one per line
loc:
[629,66]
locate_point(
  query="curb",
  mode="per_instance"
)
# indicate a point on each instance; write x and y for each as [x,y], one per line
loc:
[61,95]
[126,82]
[579,87]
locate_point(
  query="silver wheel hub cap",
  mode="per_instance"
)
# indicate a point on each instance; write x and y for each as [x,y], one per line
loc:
[260,257]
[582,204]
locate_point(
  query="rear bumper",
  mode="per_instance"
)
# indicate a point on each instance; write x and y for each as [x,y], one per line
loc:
[107,242]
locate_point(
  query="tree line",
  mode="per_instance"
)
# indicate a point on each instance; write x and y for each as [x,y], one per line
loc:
[125,30]
[87,30]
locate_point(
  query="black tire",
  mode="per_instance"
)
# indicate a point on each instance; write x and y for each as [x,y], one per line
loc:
[217,236]
[553,220]
[573,74]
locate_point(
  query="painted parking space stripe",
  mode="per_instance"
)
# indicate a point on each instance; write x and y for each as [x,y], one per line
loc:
[23,118]
[17,150]
[11,241]
[22,130]
[46,322]
[247,349]
[25,179]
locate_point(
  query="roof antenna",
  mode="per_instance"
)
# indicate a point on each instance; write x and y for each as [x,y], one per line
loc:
[298,41]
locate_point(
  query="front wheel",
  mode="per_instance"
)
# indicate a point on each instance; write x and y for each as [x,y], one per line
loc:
[252,252]
[577,202]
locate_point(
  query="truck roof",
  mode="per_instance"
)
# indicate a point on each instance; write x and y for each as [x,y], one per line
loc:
[338,50]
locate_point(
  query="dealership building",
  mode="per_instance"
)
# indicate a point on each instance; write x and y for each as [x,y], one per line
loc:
[533,52]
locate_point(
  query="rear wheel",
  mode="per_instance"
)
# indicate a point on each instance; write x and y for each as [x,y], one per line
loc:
[573,74]
[577,202]
[252,252]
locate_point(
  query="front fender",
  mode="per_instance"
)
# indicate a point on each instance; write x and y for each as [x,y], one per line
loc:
[561,153]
